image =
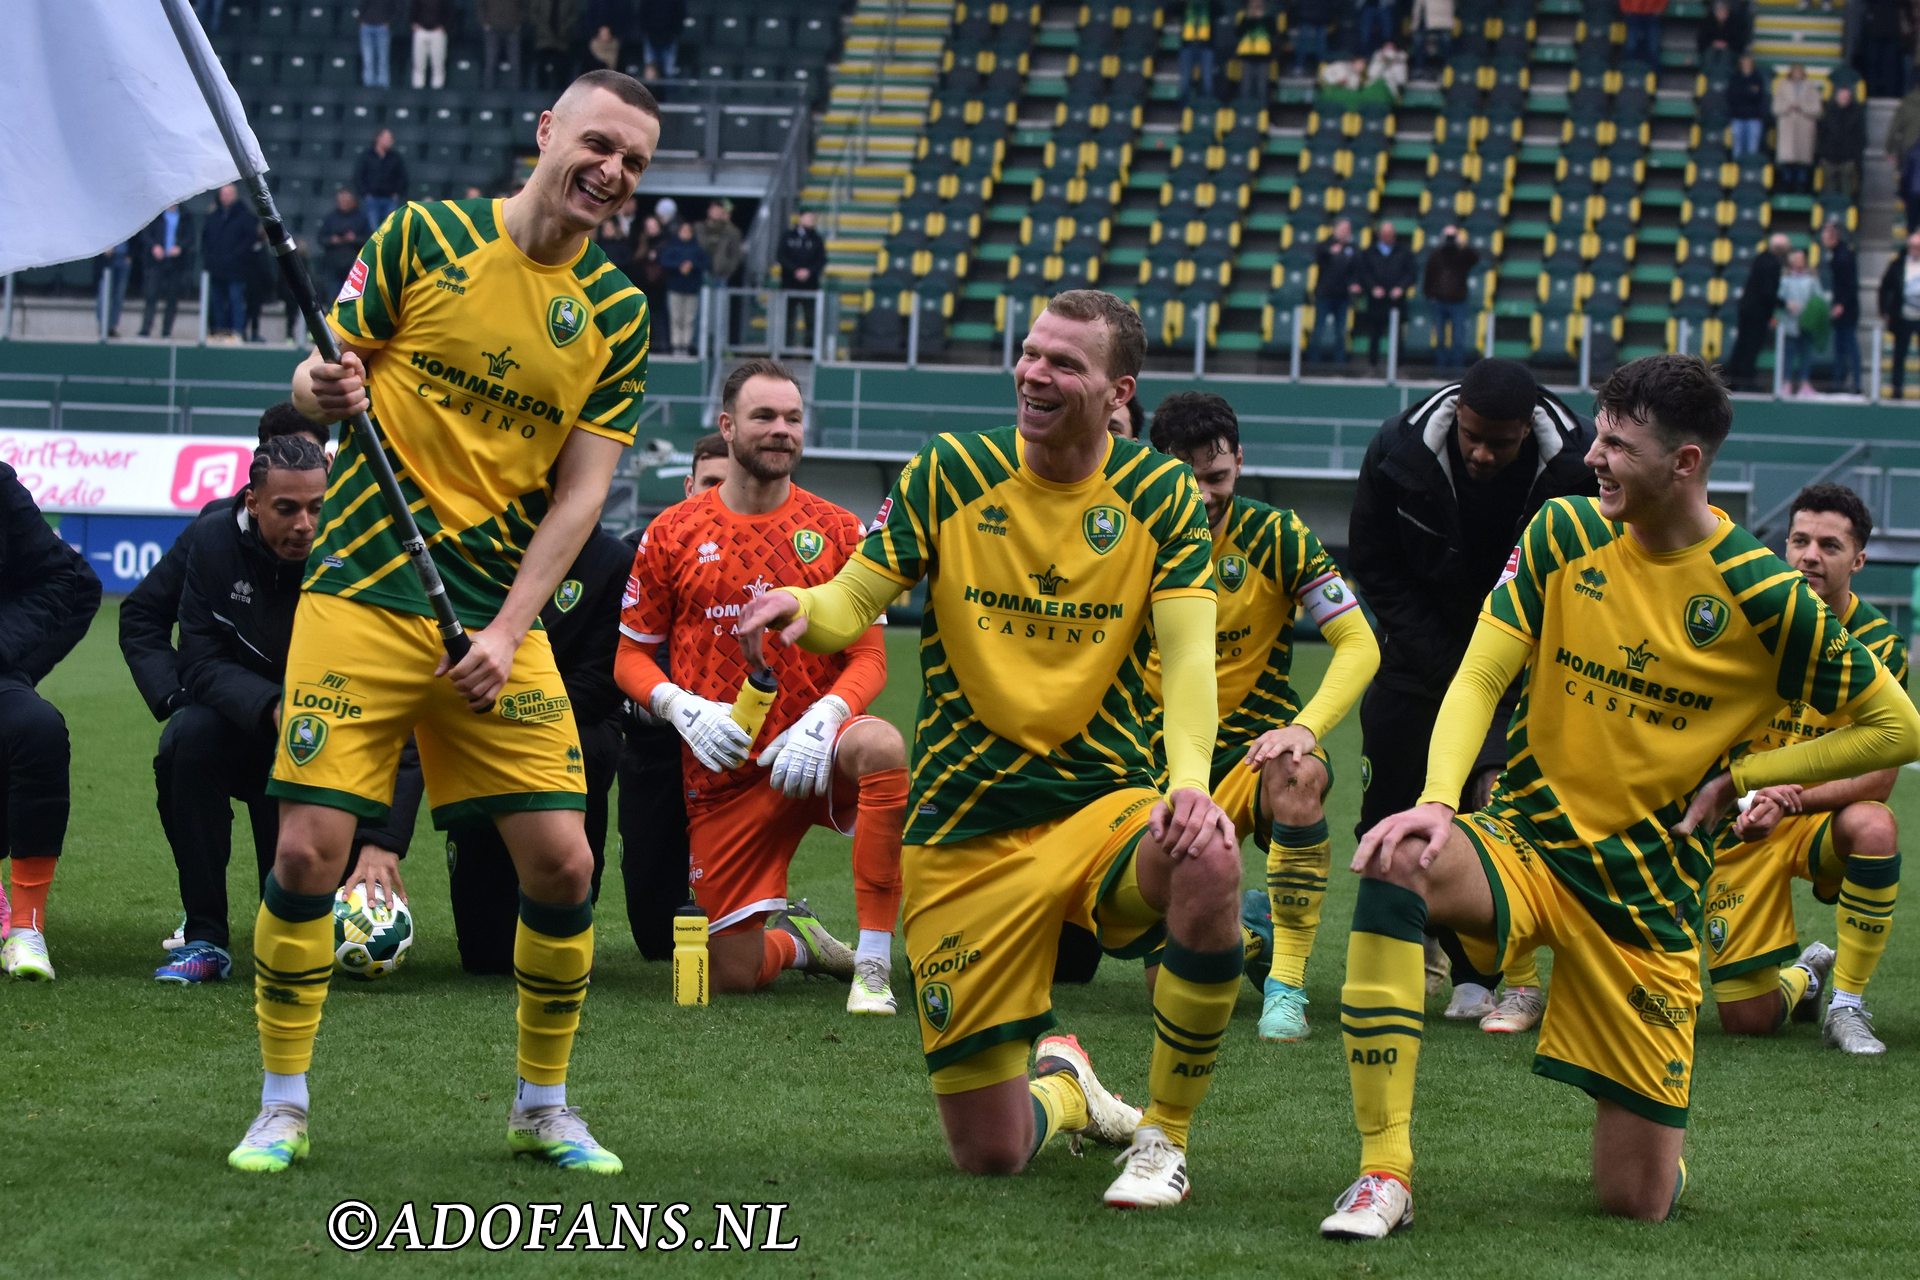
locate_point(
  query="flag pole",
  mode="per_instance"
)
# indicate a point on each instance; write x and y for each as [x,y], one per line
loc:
[293,273]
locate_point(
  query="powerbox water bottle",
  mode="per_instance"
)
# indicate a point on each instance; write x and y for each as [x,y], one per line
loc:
[690,955]
[756,695]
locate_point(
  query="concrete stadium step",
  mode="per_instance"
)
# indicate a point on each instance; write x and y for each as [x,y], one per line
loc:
[853,95]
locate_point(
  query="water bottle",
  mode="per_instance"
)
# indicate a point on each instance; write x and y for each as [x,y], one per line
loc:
[690,955]
[756,695]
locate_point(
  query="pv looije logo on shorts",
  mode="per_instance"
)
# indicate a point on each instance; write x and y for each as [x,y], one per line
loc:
[566,320]
[306,735]
[808,545]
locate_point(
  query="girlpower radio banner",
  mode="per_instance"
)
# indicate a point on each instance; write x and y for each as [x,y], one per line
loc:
[124,473]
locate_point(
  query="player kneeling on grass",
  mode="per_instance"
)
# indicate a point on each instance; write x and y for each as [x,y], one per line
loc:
[505,402]
[1642,675]
[1840,835]
[826,762]
[1055,556]
[1270,773]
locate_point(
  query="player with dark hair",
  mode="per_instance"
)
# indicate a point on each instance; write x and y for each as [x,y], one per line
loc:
[236,620]
[1127,420]
[1445,489]
[1654,634]
[48,597]
[285,419]
[1049,783]
[507,360]
[1839,835]
[1271,775]
[828,762]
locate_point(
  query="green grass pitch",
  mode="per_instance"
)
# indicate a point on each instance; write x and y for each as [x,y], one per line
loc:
[119,1098]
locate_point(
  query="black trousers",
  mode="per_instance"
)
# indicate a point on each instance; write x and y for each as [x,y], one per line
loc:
[204,763]
[1754,334]
[653,836]
[35,759]
[164,279]
[481,880]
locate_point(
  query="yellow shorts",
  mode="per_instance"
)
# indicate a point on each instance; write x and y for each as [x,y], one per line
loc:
[1749,904]
[1236,789]
[360,679]
[981,921]
[1620,1023]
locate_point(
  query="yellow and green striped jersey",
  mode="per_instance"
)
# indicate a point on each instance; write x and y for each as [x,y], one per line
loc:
[1649,669]
[484,361]
[1035,642]
[1798,721]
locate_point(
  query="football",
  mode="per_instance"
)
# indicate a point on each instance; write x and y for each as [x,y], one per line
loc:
[370,937]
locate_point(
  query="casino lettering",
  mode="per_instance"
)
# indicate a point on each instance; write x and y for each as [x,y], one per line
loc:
[1615,678]
[486,388]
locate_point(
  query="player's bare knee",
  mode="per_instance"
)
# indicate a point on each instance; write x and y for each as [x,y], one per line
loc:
[1868,828]
[1403,868]
[872,746]
[1291,791]
[988,1155]
[1210,877]
[1756,1017]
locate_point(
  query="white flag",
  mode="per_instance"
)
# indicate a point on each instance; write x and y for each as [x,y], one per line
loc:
[105,127]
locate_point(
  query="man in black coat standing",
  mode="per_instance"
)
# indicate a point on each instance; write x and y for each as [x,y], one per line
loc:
[236,621]
[166,251]
[1386,279]
[48,596]
[225,243]
[1758,302]
[1843,286]
[803,257]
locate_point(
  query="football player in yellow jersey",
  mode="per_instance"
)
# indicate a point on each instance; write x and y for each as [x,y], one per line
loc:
[1654,633]
[1270,774]
[505,360]
[1839,835]
[1048,783]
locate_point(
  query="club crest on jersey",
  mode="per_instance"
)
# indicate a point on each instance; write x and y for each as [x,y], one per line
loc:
[1706,619]
[1232,571]
[566,320]
[808,545]
[936,1005]
[1103,527]
[1717,933]
[356,283]
[568,595]
[305,736]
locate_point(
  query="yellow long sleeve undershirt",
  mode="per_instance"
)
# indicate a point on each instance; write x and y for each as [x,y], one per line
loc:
[839,612]
[1885,734]
[1356,656]
[1494,657]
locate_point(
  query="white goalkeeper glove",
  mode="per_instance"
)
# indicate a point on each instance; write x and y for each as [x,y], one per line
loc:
[802,757]
[708,727]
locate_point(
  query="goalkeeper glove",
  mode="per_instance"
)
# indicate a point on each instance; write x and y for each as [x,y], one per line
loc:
[708,727]
[802,757]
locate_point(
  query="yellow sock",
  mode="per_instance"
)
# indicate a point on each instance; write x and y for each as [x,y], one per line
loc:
[1794,982]
[1059,1106]
[1865,918]
[1381,1019]
[1297,860]
[1192,1001]
[292,966]
[1523,970]
[552,960]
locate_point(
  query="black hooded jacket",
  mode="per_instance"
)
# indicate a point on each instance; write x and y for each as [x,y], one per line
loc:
[236,621]
[48,593]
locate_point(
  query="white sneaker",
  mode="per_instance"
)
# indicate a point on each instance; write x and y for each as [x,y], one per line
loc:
[1373,1208]
[1850,1030]
[1520,1009]
[1470,1002]
[871,991]
[1153,1173]
[1109,1120]
[24,955]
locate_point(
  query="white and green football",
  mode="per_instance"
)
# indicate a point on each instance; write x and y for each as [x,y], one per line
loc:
[370,934]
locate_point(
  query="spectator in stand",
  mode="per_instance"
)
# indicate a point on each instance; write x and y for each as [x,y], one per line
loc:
[1910,186]
[1840,144]
[803,259]
[225,242]
[500,24]
[1643,30]
[615,237]
[380,178]
[1758,302]
[1445,285]
[1253,49]
[1386,278]
[685,266]
[1842,271]
[1344,76]
[376,42]
[1431,34]
[1388,67]
[1903,131]
[1900,307]
[263,283]
[721,238]
[648,240]
[1196,47]
[660,25]
[1800,300]
[603,50]
[1307,21]
[1880,52]
[165,244]
[1336,284]
[1796,120]
[342,232]
[1722,37]
[556,27]
[117,265]
[1373,26]
[429,20]
[1747,105]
